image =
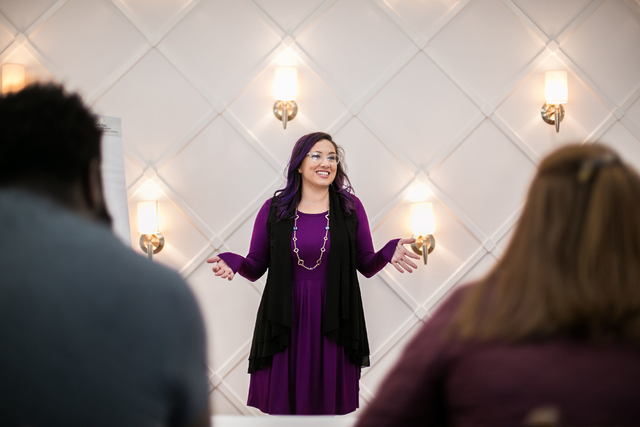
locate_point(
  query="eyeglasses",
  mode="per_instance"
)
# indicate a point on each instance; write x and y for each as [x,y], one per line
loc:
[317,157]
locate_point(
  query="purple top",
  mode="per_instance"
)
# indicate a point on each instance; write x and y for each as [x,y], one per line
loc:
[310,239]
[449,382]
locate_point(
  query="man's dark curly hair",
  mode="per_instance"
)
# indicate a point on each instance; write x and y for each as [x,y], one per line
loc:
[46,133]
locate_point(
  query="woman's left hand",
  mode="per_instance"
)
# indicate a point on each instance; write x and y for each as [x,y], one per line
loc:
[400,259]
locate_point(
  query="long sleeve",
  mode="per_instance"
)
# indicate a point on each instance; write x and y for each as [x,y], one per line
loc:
[412,394]
[369,262]
[254,265]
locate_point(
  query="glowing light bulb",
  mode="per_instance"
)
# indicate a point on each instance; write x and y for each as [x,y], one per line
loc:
[285,86]
[555,83]
[422,220]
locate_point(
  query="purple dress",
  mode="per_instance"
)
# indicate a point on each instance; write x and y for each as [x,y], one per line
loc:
[313,376]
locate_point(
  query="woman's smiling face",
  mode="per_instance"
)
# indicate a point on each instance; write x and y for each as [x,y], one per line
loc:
[320,173]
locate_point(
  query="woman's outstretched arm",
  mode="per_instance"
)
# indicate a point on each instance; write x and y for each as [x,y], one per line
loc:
[369,262]
[254,265]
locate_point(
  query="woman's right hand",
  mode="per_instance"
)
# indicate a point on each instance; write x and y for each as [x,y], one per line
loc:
[221,268]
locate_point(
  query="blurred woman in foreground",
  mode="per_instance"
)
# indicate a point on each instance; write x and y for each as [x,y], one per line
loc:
[554,327]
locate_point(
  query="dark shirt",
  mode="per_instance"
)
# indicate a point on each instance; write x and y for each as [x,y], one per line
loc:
[91,334]
[440,381]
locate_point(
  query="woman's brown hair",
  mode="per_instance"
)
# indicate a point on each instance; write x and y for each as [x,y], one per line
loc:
[572,267]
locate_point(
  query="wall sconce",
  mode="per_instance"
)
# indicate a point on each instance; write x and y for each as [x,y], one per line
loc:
[12,78]
[285,89]
[151,240]
[556,92]
[423,226]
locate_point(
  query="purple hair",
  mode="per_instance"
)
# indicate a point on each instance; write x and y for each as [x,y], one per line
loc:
[290,195]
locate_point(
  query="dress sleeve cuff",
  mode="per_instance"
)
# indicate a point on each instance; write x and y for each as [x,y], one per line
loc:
[234,261]
[388,249]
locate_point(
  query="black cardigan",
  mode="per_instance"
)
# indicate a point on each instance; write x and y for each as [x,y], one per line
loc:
[343,315]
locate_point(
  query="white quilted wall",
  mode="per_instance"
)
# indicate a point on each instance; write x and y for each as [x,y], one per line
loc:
[432,100]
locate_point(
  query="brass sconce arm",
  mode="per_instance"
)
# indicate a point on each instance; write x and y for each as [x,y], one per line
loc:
[151,243]
[424,245]
[291,109]
[552,114]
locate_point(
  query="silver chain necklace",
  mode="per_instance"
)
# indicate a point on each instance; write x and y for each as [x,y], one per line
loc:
[295,239]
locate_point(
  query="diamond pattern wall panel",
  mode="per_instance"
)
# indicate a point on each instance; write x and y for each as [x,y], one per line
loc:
[132,171]
[476,271]
[371,378]
[225,164]
[423,15]
[487,45]
[434,100]
[552,16]
[503,243]
[487,177]
[6,37]
[479,270]
[237,303]
[240,240]
[624,141]
[414,125]
[385,313]
[633,114]
[87,40]
[615,71]
[151,126]
[288,15]
[221,404]
[237,382]
[154,15]
[23,13]
[376,174]
[207,42]
[373,44]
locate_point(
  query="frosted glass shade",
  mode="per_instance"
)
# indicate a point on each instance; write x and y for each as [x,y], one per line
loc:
[148,217]
[12,78]
[422,220]
[285,85]
[555,87]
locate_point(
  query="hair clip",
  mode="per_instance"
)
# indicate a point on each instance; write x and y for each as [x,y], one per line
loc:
[590,165]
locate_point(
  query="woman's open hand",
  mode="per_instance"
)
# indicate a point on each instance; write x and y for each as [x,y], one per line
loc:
[221,268]
[400,259]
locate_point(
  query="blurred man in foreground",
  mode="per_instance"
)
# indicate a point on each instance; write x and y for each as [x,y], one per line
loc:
[90,333]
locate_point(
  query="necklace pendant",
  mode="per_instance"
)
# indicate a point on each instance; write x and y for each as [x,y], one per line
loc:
[295,247]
